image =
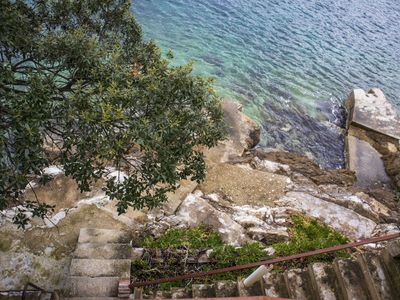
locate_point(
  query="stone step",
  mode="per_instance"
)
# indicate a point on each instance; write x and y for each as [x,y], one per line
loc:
[325,281]
[103,251]
[376,275]
[82,286]
[226,288]
[92,235]
[203,291]
[351,279]
[100,267]
[256,289]
[299,284]
[275,285]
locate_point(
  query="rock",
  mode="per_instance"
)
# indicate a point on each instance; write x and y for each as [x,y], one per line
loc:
[53,221]
[16,269]
[62,191]
[195,211]
[243,134]
[268,234]
[176,198]
[241,128]
[392,166]
[359,202]
[339,218]
[269,166]
[304,166]
[263,224]
[243,185]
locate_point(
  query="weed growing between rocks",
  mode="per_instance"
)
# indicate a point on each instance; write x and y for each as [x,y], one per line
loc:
[307,235]
[184,251]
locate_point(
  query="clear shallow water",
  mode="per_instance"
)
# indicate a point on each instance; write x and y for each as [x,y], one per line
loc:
[291,63]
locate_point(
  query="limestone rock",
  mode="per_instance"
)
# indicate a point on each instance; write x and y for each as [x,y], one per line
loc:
[243,134]
[268,234]
[302,165]
[243,185]
[195,211]
[176,198]
[242,129]
[339,218]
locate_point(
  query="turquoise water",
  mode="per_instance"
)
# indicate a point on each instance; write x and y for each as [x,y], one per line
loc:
[291,63]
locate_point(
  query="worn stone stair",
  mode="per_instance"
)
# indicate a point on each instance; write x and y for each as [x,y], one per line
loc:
[101,260]
[370,275]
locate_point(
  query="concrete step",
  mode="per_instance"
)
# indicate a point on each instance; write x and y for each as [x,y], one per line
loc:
[299,284]
[275,285]
[203,291]
[92,235]
[226,288]
[100,267]
[325,281]
[351,279]
[256,289]
[376,276]
[82,286]
[103,251]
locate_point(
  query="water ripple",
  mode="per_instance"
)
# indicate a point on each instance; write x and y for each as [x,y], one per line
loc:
[290,62]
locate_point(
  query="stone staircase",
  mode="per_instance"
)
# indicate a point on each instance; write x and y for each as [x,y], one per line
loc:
[102,259]
[371,275]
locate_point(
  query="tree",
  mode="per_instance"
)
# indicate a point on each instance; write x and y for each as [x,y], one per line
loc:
[79,87]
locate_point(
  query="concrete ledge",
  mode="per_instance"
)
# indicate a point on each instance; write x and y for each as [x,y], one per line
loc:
[373,111]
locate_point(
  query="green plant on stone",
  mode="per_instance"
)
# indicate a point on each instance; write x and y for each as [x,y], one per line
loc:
[192,240]
[188,238]
[307,235]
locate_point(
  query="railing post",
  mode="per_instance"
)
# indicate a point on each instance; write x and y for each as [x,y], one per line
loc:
[255,276]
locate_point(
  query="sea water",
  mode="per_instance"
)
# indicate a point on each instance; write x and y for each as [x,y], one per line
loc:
[291,63]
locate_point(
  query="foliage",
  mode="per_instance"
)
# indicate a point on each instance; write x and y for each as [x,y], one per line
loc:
[79,87]
[179,244]
[307,235]
[188,238]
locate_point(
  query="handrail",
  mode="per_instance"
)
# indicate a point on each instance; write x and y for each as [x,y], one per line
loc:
[267,262]
[37,288]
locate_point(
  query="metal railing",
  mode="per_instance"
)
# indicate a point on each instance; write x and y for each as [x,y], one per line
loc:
[28,290]
[266,262]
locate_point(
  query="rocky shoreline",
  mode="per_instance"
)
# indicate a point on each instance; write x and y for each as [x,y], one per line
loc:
[249,194]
